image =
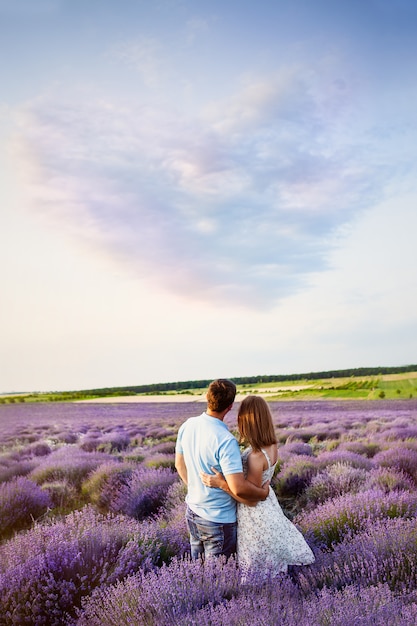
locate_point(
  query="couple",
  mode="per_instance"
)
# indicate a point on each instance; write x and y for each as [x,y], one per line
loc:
[235,510]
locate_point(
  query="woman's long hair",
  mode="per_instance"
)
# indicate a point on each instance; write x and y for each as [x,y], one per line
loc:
[254,422]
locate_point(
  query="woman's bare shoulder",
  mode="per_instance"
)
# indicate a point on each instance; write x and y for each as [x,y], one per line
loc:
[272,452]
[256,459]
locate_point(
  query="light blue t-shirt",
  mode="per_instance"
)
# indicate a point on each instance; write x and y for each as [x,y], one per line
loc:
[206,442]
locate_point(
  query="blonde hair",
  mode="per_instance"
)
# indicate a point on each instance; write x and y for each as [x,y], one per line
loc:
[254,422]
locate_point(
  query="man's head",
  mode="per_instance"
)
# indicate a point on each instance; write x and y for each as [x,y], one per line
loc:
[220,395]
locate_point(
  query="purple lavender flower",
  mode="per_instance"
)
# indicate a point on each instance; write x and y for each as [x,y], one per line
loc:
[332,521]
[155,460]
[389,479]
[344,456]
[336,480]
[90,440]
[386,550]
[282,605]
[400,432]
[400,458]
[40,448]
[158,433]
[116,440]
[67,437]
[68,463]
[12,469]
[103,485]
[21,501]
[194,594]
[146,492]
[46,572]
[163,597]
[166,447]
[368,449]
[295,475]
[294,448]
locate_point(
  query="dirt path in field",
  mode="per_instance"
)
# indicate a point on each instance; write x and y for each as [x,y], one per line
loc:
[161,398]
[264,392]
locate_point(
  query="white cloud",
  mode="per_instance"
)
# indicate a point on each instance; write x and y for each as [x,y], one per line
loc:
[243,201]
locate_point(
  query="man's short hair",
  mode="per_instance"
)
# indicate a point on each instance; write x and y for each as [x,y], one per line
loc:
[221,394]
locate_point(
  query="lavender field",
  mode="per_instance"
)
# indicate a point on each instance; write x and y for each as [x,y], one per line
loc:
[93,533]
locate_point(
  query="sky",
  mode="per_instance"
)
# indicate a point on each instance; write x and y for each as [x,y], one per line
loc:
[193,189]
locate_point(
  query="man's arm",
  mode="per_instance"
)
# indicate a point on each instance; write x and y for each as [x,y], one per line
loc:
[249,490]
[181,467]
[251,485]
[244,490]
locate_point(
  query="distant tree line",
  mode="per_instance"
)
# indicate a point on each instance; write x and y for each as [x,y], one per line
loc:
[247,380]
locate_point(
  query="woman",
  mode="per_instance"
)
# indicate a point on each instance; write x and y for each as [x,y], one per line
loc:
[266,540]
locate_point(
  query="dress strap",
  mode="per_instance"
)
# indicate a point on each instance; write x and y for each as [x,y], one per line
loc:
[267,458]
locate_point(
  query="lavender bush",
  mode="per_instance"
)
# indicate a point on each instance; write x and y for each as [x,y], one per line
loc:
[367,448]
[400,432]
[335,481]
[344,456]
[68,463]
[385,551]
[166,447]
[67,437]
[295,447]
[193,594]
[40,448]
[330,522]
[160,460]
[116,440]
[10,469]
[175,500]
[136,455]
[90,441]
[399,458]
[146,492]
[63,495]
[103,486]
[51,568]
[388,479]
[159,433]
[163,597]
[295,475]
[351,606]
[21,501]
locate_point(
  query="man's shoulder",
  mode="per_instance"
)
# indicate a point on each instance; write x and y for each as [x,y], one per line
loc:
[194,418]
[191,420]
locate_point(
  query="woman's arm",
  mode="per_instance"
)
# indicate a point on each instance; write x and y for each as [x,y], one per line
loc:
[256,464]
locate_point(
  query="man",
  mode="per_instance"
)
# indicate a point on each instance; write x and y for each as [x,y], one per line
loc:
[203,443]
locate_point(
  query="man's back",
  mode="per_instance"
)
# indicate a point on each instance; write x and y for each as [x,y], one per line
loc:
[205,442]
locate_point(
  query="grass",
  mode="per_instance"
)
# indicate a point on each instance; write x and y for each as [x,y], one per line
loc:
[388,386]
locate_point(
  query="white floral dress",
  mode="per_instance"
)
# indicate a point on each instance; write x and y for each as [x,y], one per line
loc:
[266,539]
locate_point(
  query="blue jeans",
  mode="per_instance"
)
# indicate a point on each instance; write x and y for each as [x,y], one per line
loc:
[210,539]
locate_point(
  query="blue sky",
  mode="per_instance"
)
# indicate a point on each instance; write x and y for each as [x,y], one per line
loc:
[192,189]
